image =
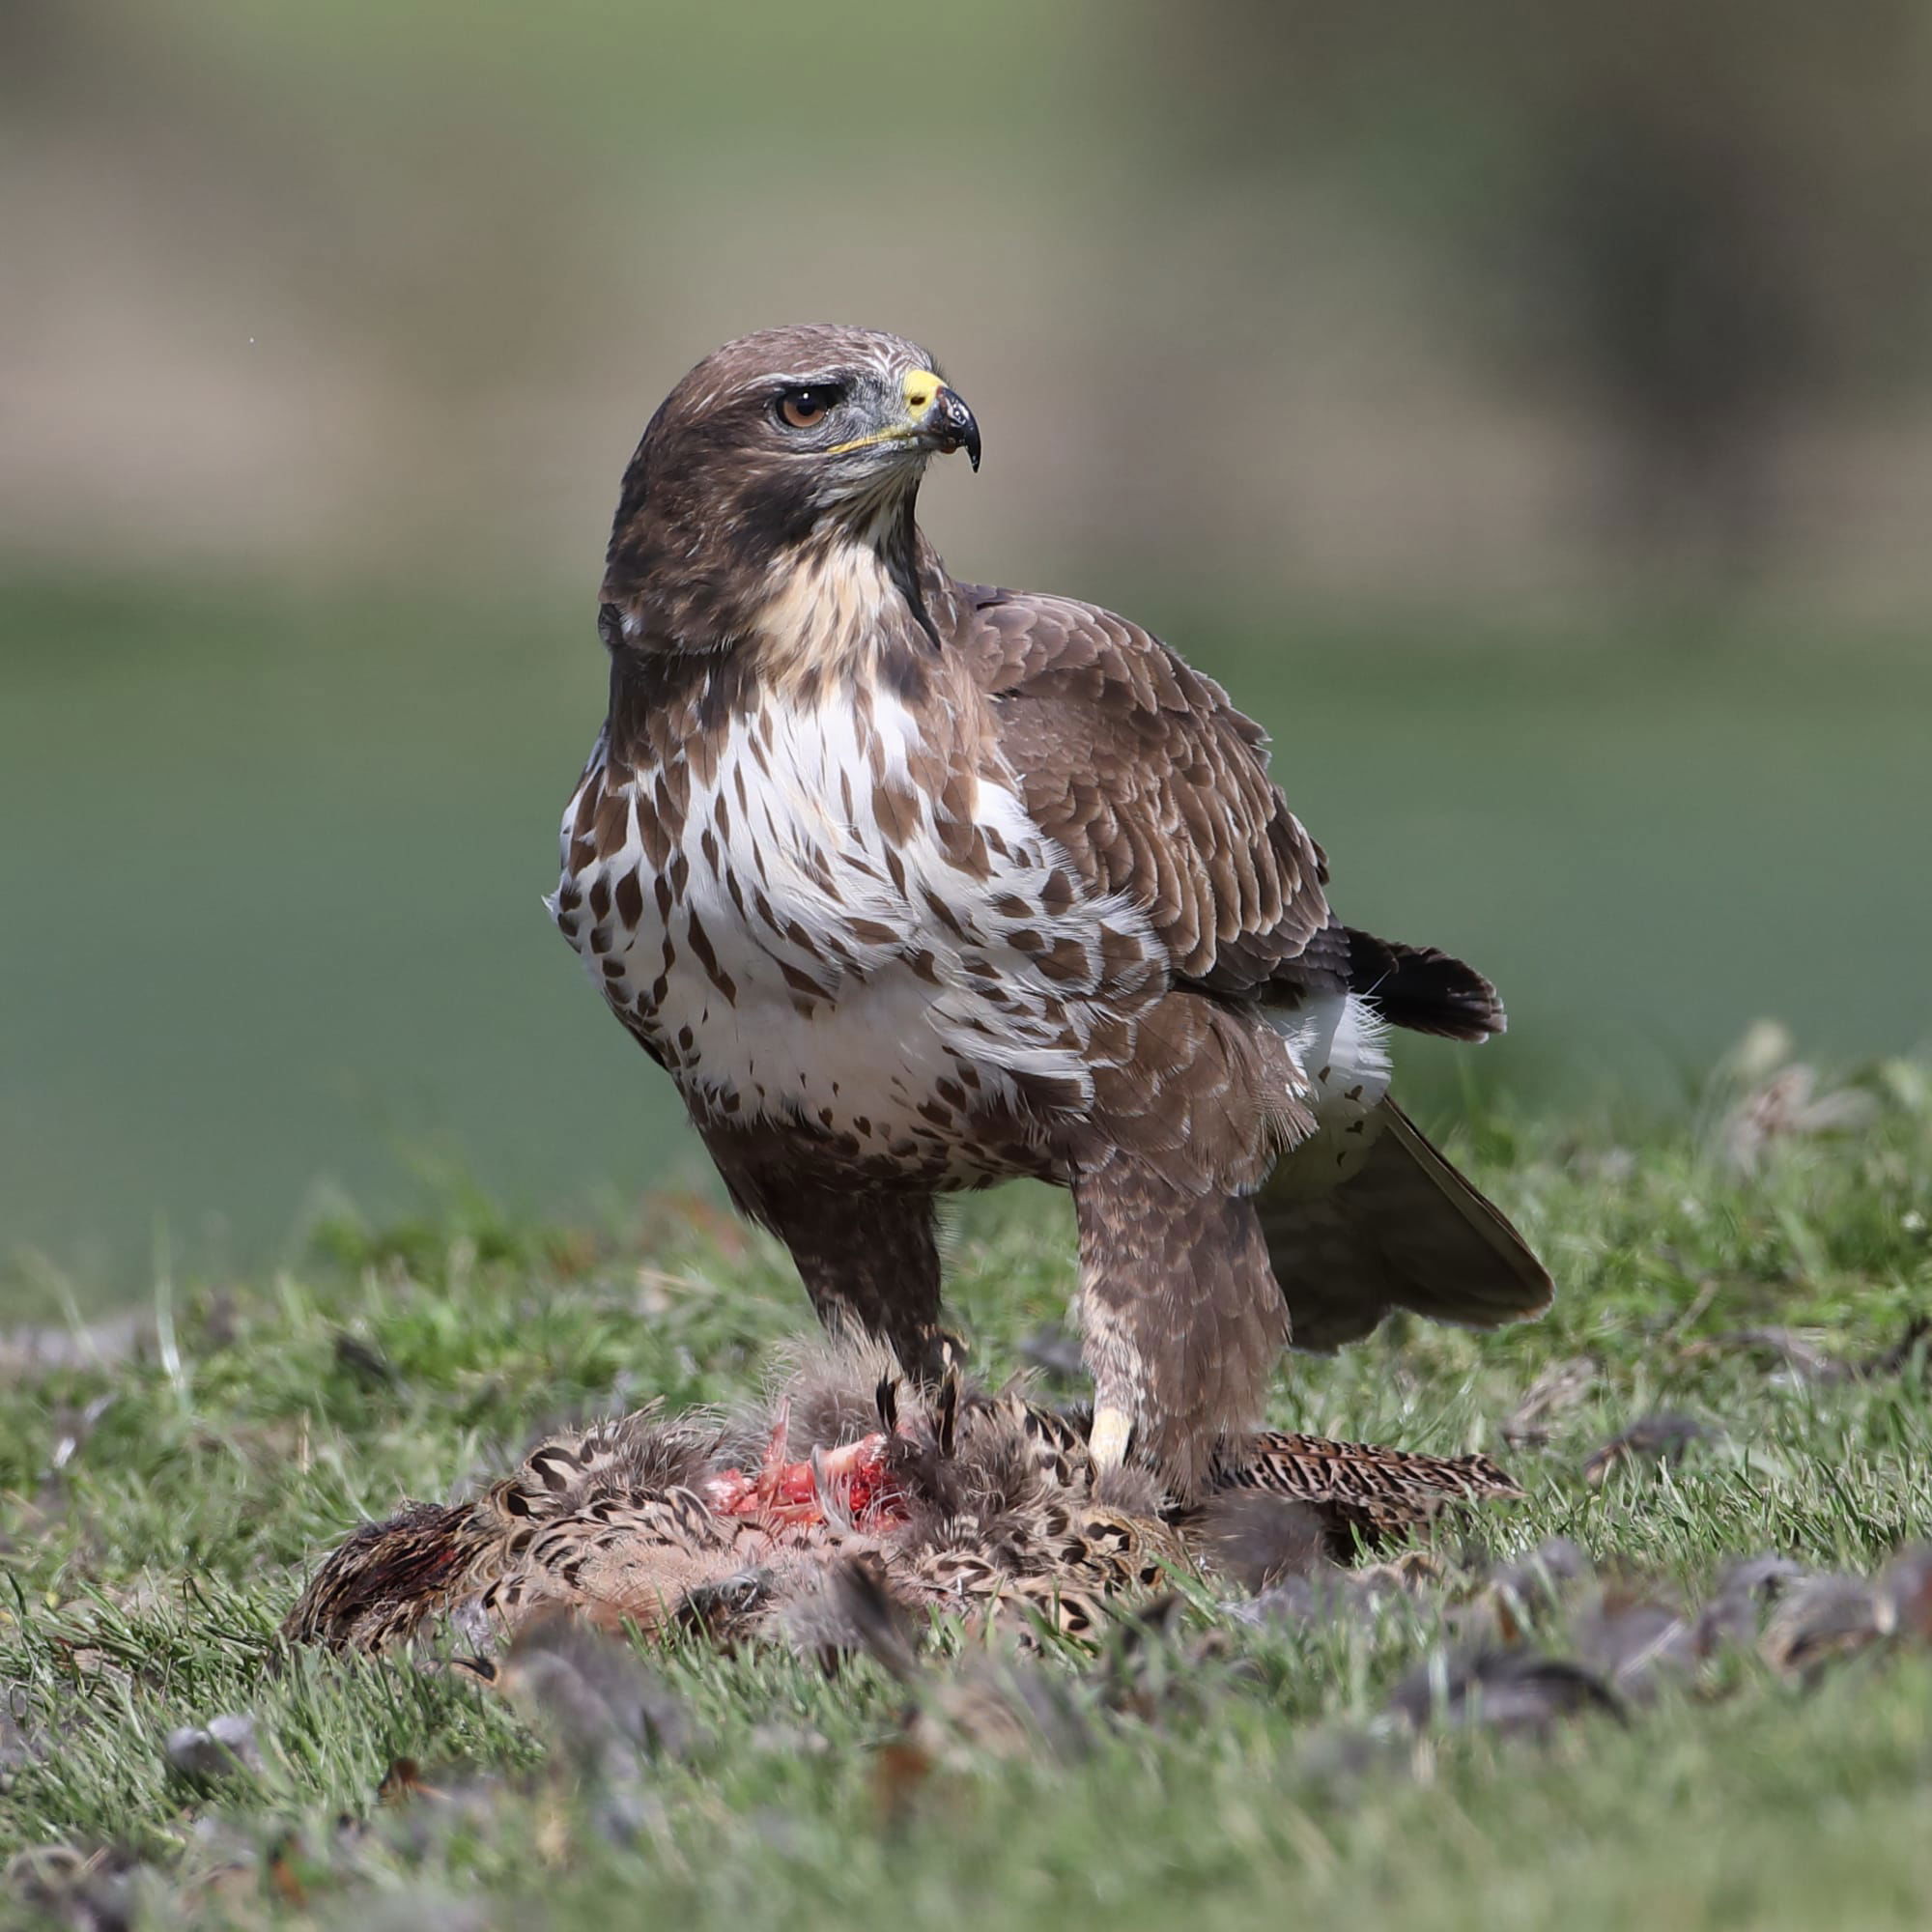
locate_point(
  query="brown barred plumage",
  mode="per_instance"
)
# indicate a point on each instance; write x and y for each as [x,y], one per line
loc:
[913,886]
[985,1504]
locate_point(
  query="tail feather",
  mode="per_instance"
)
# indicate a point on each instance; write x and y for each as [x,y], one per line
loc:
[1404,1230]
[1422,988]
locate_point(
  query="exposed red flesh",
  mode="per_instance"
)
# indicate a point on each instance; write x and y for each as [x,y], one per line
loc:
[791,1493]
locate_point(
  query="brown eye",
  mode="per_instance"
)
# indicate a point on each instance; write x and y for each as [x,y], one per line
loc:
[804,409]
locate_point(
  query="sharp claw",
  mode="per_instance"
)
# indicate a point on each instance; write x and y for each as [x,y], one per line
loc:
[949,1414]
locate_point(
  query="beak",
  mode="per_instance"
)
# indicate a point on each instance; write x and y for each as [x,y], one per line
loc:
[940,415]
[952,426]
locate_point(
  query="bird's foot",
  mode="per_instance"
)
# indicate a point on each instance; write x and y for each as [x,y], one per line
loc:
[931,1356]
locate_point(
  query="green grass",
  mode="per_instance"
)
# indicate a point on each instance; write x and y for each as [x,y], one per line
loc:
[145,1578]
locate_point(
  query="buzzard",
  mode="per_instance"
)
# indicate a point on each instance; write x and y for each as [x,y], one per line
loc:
[912,886]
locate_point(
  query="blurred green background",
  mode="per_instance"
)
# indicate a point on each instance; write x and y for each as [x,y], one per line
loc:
[1528,413]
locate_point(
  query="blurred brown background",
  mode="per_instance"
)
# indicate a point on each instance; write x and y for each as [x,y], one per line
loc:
[1500,299]
[1528,410]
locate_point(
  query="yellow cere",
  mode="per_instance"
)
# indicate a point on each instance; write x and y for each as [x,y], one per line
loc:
[920,387]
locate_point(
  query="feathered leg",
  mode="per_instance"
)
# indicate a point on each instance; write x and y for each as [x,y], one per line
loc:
[868,1258]
[1181,1316]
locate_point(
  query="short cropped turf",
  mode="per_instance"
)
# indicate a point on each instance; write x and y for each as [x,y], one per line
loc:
[160,1504]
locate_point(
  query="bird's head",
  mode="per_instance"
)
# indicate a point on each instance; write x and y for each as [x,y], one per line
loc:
[778,442]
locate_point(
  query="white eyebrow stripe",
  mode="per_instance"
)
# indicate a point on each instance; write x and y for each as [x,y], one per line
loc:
[800,379]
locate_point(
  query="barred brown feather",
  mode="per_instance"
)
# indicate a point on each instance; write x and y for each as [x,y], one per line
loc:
[997,1512]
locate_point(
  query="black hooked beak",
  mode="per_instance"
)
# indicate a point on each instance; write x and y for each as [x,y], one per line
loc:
[952,425]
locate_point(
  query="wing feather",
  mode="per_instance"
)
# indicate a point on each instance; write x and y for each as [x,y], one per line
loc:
[1156,785]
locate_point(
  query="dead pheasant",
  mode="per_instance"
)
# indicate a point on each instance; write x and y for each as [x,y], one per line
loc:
[985,1504]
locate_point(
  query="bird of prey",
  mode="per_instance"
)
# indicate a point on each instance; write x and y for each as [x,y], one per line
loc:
[913,886]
